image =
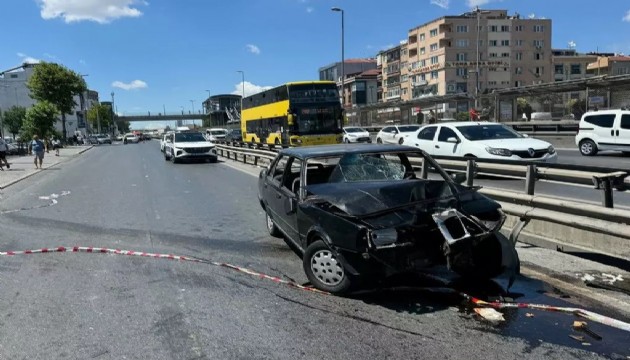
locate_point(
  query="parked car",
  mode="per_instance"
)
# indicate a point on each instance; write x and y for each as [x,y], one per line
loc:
[355,212]
[484,140]
[604,130]
[353,134]
[92,140]
[216,134]
[234,135]
[189,145]
[395,134]
[131,138]
[119,137]
[103,139]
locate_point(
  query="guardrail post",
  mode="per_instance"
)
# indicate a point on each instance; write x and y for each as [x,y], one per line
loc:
[470,172]
[608,196]
[424,170]
[530,179]
[244,158]
[255,160]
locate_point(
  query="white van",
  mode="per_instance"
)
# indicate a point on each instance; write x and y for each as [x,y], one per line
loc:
[604,130]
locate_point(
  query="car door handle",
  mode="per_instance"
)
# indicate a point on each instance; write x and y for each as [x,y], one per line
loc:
[612,132]
[617,132]
[437,146]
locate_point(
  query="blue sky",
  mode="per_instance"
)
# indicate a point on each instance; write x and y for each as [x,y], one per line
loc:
[159,54]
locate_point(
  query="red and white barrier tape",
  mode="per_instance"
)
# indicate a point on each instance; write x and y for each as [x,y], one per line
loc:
[98,250]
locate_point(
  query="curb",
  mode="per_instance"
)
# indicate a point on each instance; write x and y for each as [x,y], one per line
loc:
[39,170]
[564,282]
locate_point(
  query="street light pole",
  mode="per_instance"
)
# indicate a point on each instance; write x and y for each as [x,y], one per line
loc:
[343,63]
[477,62]
[112,109]
[243,93]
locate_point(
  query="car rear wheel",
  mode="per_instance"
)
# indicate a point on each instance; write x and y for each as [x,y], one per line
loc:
[271,226]
[401,141]
[588,148]
[379,141]
[324,270]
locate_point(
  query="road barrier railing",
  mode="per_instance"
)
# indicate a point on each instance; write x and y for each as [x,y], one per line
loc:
[552,221]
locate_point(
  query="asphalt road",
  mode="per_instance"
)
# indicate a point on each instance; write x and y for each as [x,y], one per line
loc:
[80,305]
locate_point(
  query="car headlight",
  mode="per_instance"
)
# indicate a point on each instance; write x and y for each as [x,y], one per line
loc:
[352,135]
[551,150]
[499,152]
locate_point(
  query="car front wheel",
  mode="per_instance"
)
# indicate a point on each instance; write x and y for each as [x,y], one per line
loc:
[324,270]
[379,141]
[271,226]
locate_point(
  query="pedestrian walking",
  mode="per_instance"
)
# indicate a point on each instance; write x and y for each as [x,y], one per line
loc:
[56,144]
[37,148]
[4,148]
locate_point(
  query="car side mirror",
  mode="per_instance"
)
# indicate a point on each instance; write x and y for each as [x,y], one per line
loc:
[458,178]
[453,140]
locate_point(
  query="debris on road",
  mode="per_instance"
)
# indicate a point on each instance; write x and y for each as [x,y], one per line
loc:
[529,315]
[582,326]
[577,338]
[490,314]
[607,282]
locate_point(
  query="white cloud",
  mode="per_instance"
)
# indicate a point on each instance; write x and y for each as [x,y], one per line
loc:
[28,59]
[134,85]
[250,89]
[310,9]
[100,11]
[627,17]
[475,3]
[444,4]
[253,49]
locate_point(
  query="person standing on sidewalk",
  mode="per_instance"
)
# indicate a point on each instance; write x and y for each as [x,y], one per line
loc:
[3,153]
[37,148]
[56,144]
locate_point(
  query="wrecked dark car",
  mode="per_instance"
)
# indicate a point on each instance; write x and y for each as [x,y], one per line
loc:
[356,213]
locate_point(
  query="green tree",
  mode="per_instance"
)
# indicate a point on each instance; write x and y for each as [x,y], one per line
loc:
[14,119]
[124,126]
[57,85]
[40,120]
[100,112]
[523,107]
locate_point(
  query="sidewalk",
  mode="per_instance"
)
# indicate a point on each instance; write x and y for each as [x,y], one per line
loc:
[23,167]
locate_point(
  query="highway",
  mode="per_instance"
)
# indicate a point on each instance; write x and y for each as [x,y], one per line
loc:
[82,305]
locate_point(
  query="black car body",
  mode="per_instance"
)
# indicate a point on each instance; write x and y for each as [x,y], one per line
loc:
[355,212]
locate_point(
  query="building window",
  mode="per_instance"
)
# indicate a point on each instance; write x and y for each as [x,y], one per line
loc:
[492,83]
[539,28]
[538,56]
[423,77]
[517,83]
[461,28]
[492,42]
[423,63]
[505,28]
[505,42]
[434,47]
[558,69]
[14,76]
[518,28]
[505,55]
[462,43]
[519,42]
[539,70]
[539,43]
[519,56]
[423,50]
[493,28]
[462,71]
[462,57]
[433,33]
[434,74]
[404,78]
[576,69]
[518,70]
[434,60]
[492,55]
[422,37]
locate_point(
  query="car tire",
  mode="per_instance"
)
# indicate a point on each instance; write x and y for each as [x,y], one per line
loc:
[401,141]
[588,148]
[166,157]
[324,270]
[379,141]
[346,141]
[271,226]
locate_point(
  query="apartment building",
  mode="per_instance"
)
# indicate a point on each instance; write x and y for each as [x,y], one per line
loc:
[568,64]
[611,65]
[442,57]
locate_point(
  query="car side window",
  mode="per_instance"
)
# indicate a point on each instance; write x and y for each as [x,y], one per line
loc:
[625,122]
[604,120]
[277,171]
[427,133]
[446,133]
[387,129]
[292,178]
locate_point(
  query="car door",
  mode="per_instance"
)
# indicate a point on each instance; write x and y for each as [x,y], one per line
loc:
[601,128]
[447,143]
[424,139]
[289,198]
[276,196]
[385,134]
[622,133]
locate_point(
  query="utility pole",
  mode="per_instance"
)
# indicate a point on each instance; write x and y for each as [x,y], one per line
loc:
[343,62]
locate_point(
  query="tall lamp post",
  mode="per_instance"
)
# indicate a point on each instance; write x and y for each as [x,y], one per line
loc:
[112,109]
[343,70]
[243,91]
[478,12]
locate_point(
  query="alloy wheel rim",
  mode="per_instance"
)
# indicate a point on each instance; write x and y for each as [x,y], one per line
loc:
[587,148]
[326,268]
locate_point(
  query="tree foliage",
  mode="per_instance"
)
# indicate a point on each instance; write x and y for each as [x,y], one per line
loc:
[124,126]
[523,107]
[57,85]
[14,119]
[40,120]
[102,113]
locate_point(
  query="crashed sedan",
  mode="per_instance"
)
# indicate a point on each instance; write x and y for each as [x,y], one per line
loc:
[356,213]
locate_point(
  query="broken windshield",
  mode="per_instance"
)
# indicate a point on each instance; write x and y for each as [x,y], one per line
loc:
[368,167]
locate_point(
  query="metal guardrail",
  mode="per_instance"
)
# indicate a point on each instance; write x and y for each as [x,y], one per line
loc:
[527,207]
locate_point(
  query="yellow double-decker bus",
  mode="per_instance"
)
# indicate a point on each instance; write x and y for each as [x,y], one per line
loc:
[294,114]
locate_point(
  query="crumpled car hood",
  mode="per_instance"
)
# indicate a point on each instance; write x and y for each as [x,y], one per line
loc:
[363,198]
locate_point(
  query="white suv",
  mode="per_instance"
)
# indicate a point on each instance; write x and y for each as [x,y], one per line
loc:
[216,134]
[181,146]
[604,130]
